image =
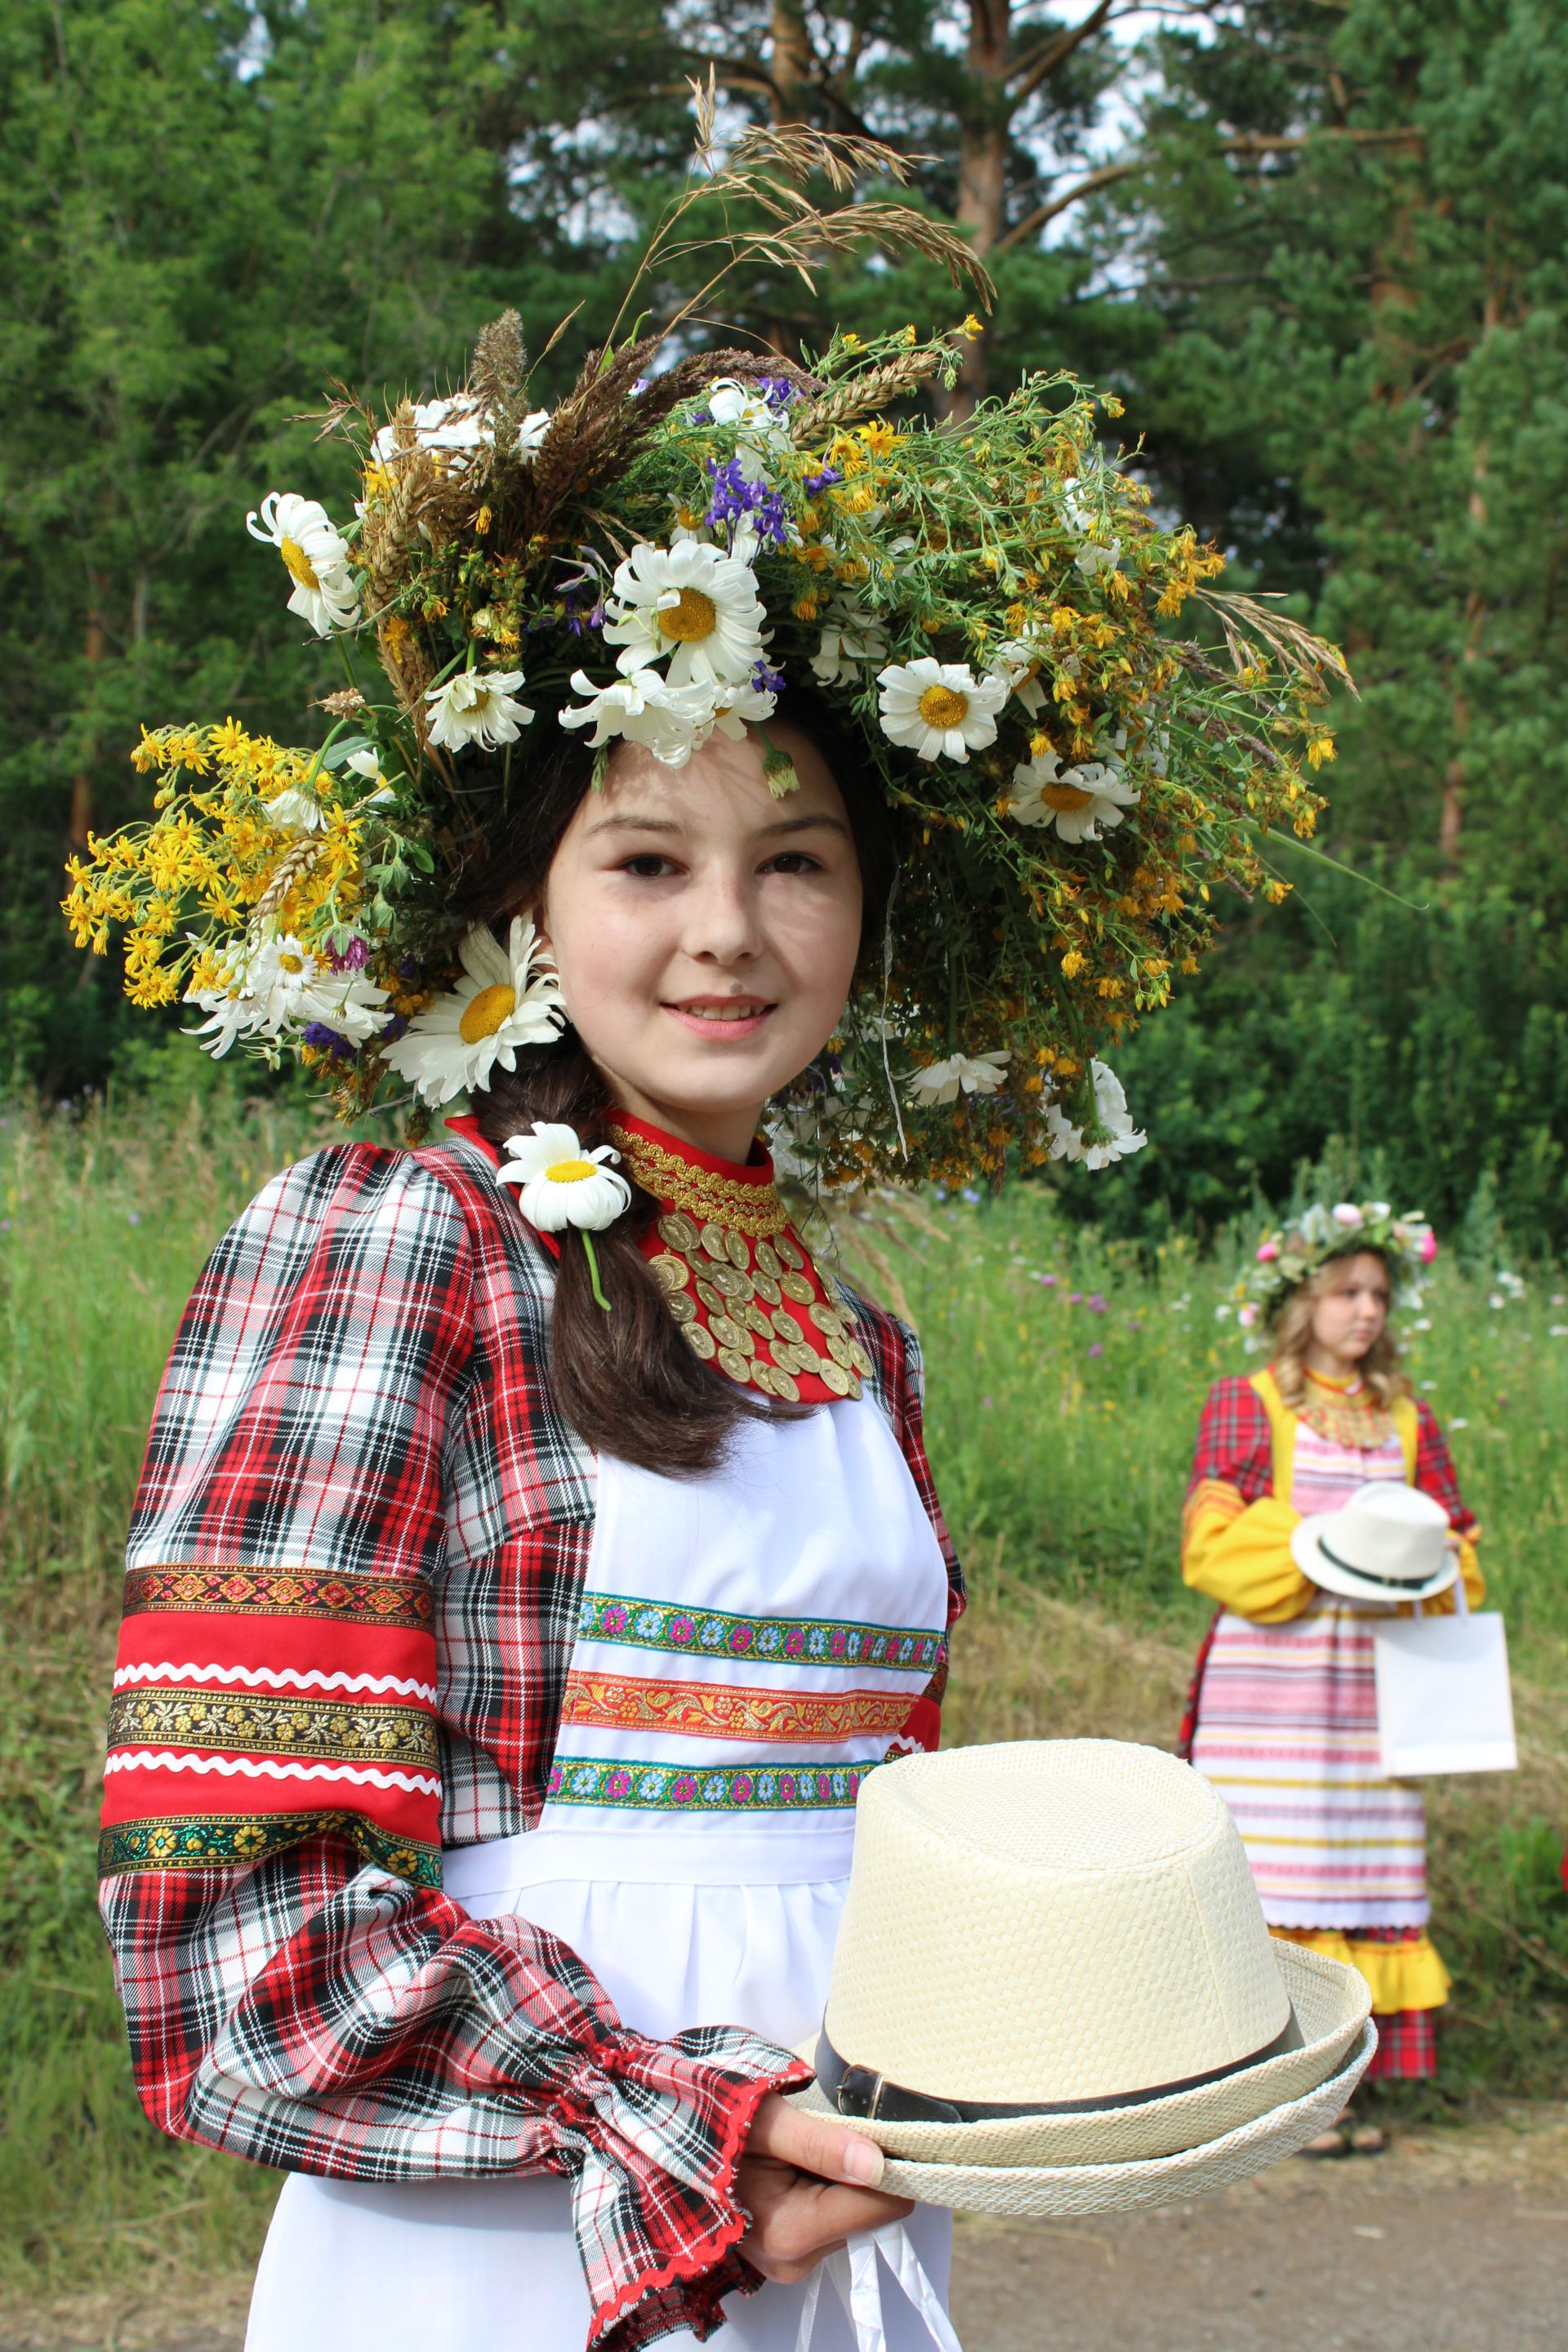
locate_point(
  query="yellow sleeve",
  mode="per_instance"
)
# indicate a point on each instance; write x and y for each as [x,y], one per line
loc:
[1239,1554]
[1475,1583]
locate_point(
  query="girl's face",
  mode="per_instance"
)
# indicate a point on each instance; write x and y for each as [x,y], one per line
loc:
[1348,1318]
[706,933]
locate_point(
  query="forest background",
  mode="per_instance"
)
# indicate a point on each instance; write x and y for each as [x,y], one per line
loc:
[1320,247]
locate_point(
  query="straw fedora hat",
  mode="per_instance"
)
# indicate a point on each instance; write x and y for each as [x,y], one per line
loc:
[1054,1991]
[1388,1542]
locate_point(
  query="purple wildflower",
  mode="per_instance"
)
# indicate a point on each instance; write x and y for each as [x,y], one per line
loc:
[828,479]
[327,1041]
[735,498]
[1096,1349]
[353,958]
[766,681]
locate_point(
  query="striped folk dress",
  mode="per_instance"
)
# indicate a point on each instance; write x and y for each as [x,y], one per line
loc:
[1284,1715]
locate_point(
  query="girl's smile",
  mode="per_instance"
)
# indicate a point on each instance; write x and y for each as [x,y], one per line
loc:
[706,933]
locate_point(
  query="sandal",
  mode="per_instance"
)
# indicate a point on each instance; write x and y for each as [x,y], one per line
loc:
[1367,2139]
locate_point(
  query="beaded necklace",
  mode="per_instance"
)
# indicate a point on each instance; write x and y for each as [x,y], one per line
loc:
[735,1277]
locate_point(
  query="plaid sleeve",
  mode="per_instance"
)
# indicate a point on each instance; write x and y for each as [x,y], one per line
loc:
[1434,1473]
[1235,1447]
[299,1991]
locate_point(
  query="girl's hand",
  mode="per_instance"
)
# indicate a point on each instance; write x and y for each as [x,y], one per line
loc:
[808,2184]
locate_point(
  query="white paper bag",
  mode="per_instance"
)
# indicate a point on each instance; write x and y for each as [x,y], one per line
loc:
[1443,1699]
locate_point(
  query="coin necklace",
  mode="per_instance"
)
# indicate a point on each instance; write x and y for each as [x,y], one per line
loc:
[750,1302]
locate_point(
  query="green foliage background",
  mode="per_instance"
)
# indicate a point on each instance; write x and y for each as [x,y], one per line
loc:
[1321,255]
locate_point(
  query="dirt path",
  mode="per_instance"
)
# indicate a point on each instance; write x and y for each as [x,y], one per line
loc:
[1452,2243]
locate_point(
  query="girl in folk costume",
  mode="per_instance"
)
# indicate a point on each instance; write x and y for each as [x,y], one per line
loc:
[1283,1715]
[535,1548]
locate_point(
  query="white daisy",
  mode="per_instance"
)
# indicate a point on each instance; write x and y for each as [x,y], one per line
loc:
[941,710]
[1080,802]
[531,433]
[475,706]
[453,428]
[758,426]
[508,997]
[280,985]
[1096,557]
[736,707]
[1119,1135]
[852,639]
[696,603]
[316,555]
[295,810]
[1019,659]
[672,721]
[562,1185]
[971,1074]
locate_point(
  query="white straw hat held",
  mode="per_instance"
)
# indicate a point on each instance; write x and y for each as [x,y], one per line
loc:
[1388,1542]
[1054,1989]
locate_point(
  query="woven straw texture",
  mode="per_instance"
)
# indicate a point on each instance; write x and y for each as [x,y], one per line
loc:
[1160,2180]
[1049,1920]
[1332,2003]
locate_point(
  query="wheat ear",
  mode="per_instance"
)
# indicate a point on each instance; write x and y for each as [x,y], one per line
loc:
[872,390]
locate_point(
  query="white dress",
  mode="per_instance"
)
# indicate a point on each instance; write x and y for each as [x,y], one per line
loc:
[751,1641]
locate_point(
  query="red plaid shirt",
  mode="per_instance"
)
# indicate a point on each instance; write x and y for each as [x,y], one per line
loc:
[362,1529]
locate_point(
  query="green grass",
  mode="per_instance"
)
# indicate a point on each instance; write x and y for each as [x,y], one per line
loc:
[1060,1432]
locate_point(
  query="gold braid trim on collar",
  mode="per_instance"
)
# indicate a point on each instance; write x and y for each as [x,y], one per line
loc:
[755,1209]
[1356,1420]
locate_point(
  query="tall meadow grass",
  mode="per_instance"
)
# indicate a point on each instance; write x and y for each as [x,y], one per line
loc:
[1065,1379]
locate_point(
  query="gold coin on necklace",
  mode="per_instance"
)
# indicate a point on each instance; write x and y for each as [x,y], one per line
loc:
[682,1308]
[765,1287]
[731,1362]
[732,1334]
[840,1351]
[804,1359]
[861,1359]
[836,1378]
[671,1273]
[756,1320]
[713,1238]
[764,1376]
[796,1286]
[678,1232]
[826,1318]
[785,1325]
[711,1295]
[787,1251]
[767,1261]
[740,1254]
[700,1341]
[784,1387]
[725,1278]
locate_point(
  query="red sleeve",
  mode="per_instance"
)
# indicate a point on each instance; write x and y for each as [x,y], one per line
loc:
[1235,1444]
[1434,1473]
[299,1990]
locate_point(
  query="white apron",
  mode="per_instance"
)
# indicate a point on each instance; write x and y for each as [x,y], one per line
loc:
[750,1642]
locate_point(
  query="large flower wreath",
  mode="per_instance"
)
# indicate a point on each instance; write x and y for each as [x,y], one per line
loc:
[989,605]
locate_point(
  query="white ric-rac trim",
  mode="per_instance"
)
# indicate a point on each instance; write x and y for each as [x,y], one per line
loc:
[266,1767]
[278,1678]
